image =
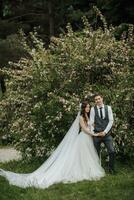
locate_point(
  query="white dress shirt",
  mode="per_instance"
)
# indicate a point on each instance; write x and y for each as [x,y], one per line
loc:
[110,115]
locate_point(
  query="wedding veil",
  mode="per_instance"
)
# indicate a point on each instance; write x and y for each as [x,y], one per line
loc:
[53,163]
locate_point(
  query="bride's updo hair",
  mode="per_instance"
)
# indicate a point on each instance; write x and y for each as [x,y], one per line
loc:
[83,113]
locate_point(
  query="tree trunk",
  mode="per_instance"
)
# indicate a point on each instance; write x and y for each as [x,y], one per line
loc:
[1,9]
[51,18]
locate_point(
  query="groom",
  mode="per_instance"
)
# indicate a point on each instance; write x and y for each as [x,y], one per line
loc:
[101,119]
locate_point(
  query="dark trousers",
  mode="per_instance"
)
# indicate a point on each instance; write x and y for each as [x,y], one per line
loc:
[108,141]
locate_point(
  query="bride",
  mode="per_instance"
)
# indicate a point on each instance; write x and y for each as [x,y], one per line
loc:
[75,159]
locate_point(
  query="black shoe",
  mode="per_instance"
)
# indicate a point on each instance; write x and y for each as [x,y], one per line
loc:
[112,172]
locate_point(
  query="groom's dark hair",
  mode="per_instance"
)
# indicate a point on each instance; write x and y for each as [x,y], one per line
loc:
[98,94]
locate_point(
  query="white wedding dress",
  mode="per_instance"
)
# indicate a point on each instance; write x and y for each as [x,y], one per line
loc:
[75,159]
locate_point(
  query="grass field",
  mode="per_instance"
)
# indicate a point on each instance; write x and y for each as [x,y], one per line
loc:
[111,187]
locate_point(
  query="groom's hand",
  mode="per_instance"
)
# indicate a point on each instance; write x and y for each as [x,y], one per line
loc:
[102,134]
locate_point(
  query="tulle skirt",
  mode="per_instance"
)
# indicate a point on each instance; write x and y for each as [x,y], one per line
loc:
[80,163]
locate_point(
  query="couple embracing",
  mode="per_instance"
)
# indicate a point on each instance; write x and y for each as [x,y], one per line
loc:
[77,156]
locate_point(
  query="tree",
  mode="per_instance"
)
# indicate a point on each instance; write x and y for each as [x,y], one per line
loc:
[117,12]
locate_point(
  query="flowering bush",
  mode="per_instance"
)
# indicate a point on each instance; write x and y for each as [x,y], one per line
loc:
[44,91]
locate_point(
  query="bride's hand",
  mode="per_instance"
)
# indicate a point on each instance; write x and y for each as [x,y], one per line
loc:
[96,134]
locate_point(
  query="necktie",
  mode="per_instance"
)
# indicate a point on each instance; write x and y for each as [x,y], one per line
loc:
[101,115]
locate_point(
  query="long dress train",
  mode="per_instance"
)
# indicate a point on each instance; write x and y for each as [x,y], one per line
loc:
[75,159]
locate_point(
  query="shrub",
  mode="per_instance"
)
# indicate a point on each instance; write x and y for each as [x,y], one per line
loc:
[44,91]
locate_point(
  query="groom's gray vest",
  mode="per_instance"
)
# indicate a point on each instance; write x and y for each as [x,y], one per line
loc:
[100,124]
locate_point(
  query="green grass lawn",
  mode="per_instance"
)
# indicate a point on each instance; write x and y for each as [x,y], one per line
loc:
[111,187]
